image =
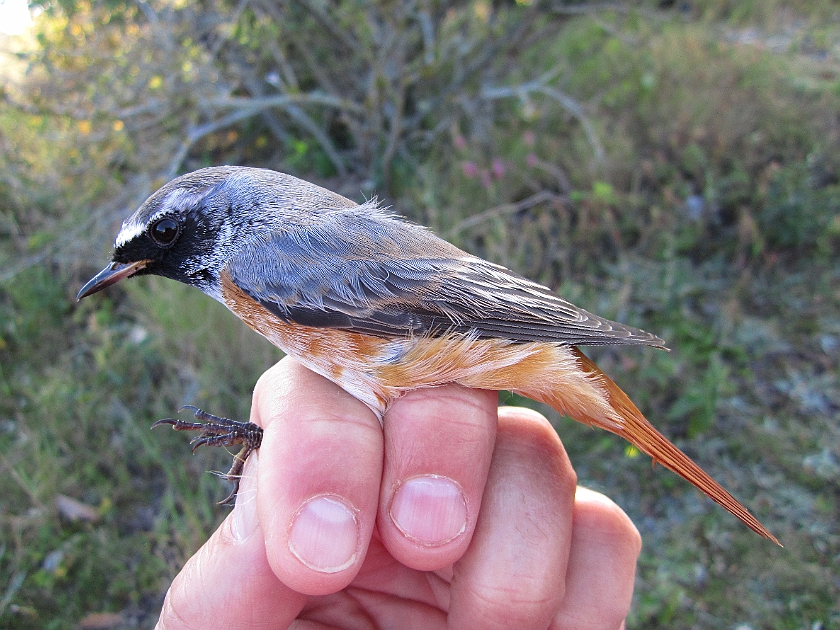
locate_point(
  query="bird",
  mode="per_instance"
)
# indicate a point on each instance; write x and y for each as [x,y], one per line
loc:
[378,305]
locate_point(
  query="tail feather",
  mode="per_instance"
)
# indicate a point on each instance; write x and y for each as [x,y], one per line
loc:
[638,431]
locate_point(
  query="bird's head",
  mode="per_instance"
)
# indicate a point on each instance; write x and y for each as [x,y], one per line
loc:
[191,227]
[174,234]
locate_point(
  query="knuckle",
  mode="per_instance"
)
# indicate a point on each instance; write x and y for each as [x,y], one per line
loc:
[517,606]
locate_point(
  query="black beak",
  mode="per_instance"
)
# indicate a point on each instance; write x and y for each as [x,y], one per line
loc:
[112,274]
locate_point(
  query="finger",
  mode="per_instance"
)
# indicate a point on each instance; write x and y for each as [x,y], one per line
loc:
[438,445]
[513,574]
[228,583]
[602,565]
[320,470]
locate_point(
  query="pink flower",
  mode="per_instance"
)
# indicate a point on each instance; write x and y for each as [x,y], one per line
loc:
[460,142]
[470,169]
[532,160]
[498,168]
[529,138]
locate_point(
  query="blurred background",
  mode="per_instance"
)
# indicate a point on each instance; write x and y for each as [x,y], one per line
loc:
[672,165]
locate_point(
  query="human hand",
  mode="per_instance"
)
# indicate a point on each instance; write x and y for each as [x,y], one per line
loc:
[444,519]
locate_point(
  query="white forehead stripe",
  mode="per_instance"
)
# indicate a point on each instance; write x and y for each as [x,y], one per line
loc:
[175,202]
[131,228]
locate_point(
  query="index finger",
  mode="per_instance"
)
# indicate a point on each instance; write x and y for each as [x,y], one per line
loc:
[318,481]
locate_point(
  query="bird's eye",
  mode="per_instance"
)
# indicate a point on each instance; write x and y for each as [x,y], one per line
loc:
[164,231]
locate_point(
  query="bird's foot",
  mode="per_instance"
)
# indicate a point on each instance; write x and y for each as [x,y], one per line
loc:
[216,431]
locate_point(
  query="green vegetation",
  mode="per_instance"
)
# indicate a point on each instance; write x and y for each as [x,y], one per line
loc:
[674,168]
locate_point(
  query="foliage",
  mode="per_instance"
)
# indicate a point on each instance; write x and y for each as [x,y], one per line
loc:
[676,170]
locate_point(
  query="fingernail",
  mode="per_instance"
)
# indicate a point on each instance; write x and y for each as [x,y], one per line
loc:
[245,519]
[430,509]
[325,535]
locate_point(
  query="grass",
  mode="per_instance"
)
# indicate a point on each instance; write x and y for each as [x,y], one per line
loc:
[713,221]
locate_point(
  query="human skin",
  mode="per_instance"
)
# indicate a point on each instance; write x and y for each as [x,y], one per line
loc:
[457,515]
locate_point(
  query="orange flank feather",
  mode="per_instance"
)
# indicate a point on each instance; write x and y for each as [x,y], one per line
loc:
[641,434]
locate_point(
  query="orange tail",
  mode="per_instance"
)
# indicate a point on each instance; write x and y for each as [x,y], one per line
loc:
[641,433]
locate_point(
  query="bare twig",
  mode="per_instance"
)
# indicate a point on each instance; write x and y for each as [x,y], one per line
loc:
[503,209]
[233,19]
[303,119]
[284,101]
[289,74]
[567,102]
[148,11]
[428,30]
[277,129]
[396,80]
[197,133]
[600,7]
[11,590]
[324,20]
[572,106]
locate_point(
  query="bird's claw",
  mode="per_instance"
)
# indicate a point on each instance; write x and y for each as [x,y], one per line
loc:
[217,431]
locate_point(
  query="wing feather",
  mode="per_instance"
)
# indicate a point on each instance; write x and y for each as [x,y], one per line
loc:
[365,270]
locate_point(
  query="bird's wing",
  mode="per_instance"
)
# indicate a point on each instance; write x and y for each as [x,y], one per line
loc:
[363,270]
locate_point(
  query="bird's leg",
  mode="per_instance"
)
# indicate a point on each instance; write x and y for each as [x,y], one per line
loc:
[216,431]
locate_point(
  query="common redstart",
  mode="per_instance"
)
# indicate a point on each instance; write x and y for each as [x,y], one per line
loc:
[378,305]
